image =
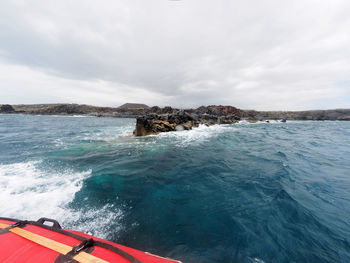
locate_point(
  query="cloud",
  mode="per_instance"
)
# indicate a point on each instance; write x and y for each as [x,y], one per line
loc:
[251,54]
[23,84]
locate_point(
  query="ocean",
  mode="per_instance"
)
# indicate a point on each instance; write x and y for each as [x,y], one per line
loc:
[262,192]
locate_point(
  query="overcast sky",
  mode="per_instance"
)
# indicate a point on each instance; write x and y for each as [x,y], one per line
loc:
[261,54]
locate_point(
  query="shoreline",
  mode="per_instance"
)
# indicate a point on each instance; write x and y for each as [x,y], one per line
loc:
[154,120]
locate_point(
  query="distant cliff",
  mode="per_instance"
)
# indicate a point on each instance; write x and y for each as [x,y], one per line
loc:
[133,110]
[6,108]
[318,115]
[66,109]
[126,110]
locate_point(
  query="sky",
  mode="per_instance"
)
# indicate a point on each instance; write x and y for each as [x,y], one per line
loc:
[252,54]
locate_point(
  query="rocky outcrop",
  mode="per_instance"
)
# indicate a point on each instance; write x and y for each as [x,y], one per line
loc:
[178,120]
[6,108]
[218,110]
[229,119]
[152,124]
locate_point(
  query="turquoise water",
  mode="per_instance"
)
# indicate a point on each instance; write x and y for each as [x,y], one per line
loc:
[275,192]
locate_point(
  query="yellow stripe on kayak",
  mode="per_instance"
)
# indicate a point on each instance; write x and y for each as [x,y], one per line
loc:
[53,245]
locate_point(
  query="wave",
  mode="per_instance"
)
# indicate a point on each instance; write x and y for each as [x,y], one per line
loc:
[30,192]
[196,135]
[260,122]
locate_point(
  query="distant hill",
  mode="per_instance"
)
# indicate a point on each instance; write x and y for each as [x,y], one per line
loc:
[133,110]
[49,109]
[128,110]
[6,108]
[133,106]
[317,115]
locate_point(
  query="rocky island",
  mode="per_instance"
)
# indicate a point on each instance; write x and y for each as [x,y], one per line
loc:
[169,119]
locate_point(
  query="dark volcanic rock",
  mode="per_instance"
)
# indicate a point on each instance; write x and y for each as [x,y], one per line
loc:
[180,117]
[174,119]
[155,109]
[163,126]
[66,109]
[152,124]
[6,108]
[229,119]
[218,110]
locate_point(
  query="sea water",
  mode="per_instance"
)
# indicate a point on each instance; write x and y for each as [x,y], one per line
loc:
[263,192]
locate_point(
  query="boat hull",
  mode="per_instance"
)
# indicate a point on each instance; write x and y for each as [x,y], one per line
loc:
[35,241]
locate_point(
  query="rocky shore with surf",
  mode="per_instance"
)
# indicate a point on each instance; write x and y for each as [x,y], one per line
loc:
[169,119]
[153,120]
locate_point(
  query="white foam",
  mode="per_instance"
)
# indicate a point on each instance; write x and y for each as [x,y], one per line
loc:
[245,122]
[79,116]
[196,135]
[95,221]
[256,260]
[27,192]
[107,133]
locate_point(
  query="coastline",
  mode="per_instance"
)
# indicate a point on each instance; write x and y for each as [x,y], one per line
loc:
[154,120]
[131,111]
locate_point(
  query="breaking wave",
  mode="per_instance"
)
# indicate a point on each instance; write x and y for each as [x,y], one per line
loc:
[27,191]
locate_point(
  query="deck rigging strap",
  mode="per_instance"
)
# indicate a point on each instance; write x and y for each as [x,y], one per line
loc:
[58,229]
[17,224]
[53,245]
